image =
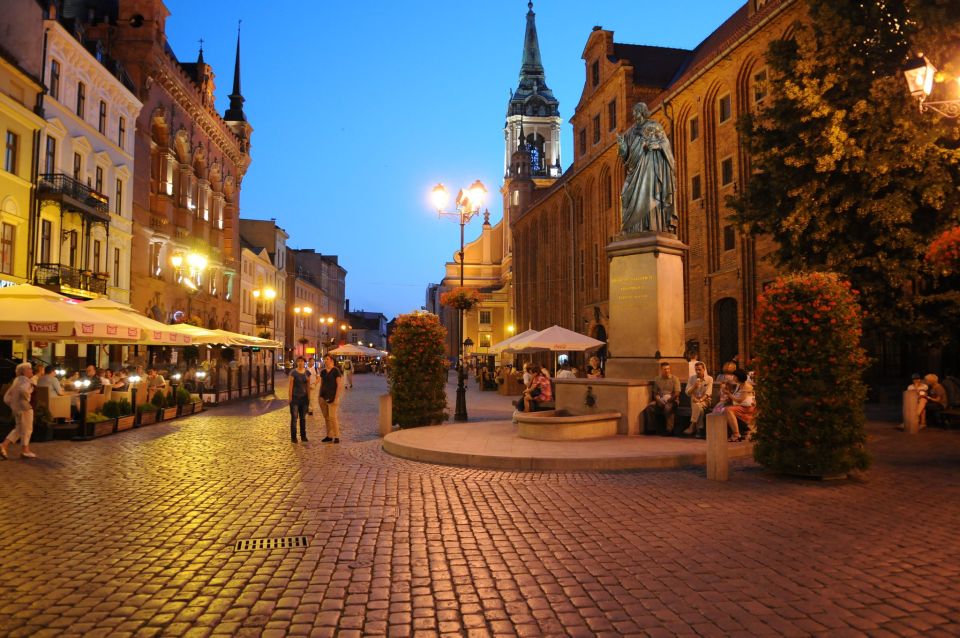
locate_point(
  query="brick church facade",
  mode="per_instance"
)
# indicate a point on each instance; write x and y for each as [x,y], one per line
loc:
[561,225]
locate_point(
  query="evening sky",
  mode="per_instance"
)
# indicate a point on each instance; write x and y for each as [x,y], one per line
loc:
[359,108]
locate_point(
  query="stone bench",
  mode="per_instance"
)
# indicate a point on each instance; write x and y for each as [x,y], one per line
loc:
[560,425]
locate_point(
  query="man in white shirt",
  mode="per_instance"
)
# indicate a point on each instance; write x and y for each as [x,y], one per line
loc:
[566,373]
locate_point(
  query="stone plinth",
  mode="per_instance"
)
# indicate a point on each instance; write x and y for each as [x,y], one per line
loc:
[627,396]
[646,306]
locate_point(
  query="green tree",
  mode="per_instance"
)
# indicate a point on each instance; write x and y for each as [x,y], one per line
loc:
[417,374]
[849,176]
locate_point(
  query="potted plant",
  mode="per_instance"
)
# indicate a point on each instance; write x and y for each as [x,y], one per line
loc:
[182,398]
[122,412]
[168,409]
[197,403]
[147,413]
[461,298]
[99,424]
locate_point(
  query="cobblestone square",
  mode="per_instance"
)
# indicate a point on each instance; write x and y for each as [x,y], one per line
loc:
[134,535]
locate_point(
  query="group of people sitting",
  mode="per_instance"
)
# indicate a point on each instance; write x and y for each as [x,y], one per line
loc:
[46,377]
[737,402]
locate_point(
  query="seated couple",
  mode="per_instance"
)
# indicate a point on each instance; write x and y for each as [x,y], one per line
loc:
[537,392]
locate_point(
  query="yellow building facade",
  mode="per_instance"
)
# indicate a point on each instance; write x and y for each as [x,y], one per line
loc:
[20,129]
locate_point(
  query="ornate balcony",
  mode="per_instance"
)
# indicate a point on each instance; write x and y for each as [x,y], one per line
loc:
[73,195]
[64,279]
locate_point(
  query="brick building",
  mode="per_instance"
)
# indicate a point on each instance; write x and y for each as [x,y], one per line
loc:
[191,161]
[560,230]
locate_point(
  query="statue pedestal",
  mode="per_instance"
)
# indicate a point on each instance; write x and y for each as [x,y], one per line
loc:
[646,306]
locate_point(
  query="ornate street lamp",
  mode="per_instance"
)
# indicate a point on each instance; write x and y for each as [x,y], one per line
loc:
[468,205]
[301,312]
[921,76]
[268,294]
[188,272]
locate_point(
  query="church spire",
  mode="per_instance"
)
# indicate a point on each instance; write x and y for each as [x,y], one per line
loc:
[533,81]
[235,112]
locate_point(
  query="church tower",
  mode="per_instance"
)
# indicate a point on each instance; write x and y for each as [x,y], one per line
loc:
[533,114]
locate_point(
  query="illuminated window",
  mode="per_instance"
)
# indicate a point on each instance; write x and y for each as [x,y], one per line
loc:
[486,340]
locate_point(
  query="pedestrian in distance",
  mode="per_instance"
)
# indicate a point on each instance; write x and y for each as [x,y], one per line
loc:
[298,389]
[331,389]
[17,398]
[347,373]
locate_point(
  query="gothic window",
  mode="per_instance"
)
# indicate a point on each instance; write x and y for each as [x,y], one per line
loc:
[726,109]
[726,171]
[760,85]
[695,188]
[694,129]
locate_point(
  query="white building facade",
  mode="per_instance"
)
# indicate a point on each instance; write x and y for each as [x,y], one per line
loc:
[85,224]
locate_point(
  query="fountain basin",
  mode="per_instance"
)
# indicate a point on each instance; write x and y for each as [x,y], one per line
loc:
[561,425]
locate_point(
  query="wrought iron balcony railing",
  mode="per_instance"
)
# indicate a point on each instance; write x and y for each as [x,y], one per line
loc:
[60,184]
[57,276]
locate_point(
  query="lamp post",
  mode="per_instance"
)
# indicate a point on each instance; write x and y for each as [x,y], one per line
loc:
[468,205]
[301,312]
[268,294]
[921,76]
[326,322]
[190,275]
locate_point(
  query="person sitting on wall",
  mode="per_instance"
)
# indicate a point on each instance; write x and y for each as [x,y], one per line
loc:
[93,376]
[921,388]
[700,391]
[539,392]
[742,407]
[658,416]
[936,399]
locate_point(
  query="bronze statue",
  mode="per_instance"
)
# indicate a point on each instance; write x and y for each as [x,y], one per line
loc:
[648,189]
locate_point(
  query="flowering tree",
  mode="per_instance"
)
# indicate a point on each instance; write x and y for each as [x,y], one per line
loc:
[417,374]
[461,298]
[809,366]
[944,251]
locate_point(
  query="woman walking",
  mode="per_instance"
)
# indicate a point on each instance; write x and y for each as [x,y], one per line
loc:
[18,398]
[298,389]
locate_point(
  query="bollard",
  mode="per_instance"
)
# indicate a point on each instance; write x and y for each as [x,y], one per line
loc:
[911,420]
[386,414]
[718,462]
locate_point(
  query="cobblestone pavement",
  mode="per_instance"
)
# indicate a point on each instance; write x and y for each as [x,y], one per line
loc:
[134,534]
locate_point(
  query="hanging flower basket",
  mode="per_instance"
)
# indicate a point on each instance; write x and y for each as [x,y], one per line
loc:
[944,251]
[461,299]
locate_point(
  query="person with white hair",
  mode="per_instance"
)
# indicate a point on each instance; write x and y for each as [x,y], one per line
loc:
[18,398]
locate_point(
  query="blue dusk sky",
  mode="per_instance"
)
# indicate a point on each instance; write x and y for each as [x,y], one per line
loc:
[360,108]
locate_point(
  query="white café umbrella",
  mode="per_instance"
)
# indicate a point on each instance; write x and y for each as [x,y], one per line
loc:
[506,344]
[152,332]
[557,339]
[348,350]
[32,312]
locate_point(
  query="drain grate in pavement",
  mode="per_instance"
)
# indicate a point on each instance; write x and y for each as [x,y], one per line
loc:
[278,542]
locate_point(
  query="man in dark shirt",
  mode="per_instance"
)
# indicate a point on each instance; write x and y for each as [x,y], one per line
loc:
[666,397]
[331,389]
